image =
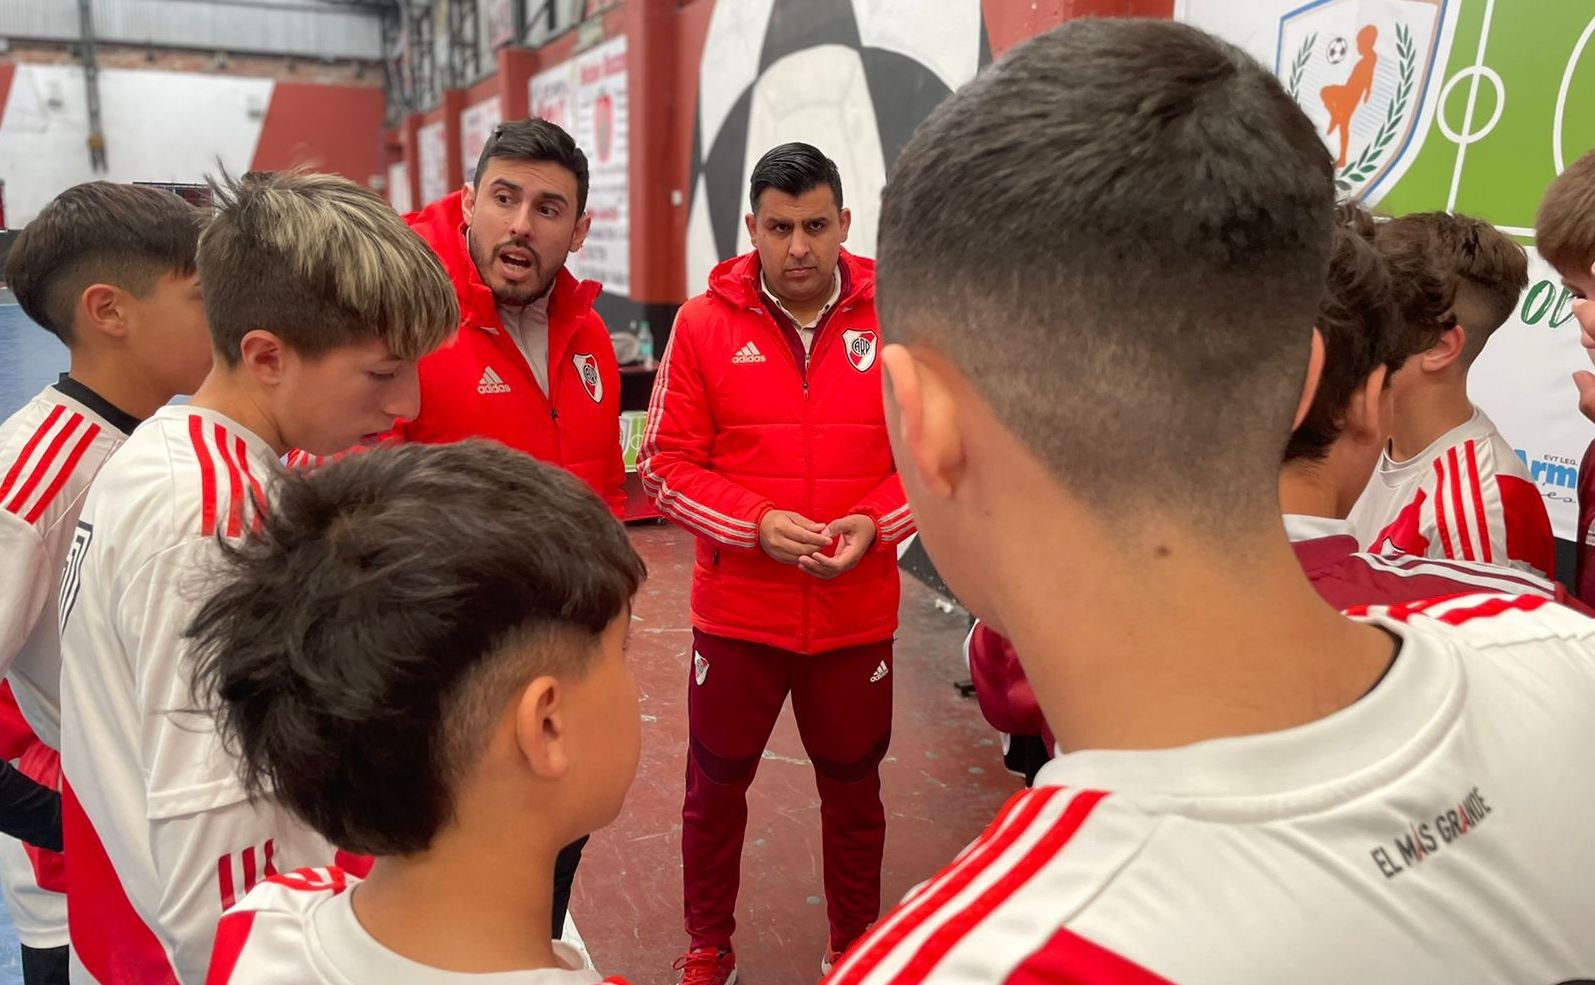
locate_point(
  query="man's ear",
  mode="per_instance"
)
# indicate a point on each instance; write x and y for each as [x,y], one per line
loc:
[1365,413]
[468,201]
[1309,385]
[584,225]
[264,356]
[752,225]
[926,415]
[1447,350]
[540,730]
[846,222]
[101,310]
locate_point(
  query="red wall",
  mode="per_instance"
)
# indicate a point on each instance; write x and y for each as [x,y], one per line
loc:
[330,128]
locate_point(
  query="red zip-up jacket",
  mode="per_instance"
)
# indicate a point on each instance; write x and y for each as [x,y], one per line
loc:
[479,385]
[1584,581]
[741,423]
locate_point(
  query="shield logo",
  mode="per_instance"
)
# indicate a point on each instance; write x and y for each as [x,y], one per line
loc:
[1360,70]
[860,349]
[587,368]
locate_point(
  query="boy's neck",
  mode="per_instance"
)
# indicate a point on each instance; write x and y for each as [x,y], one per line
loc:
[226,393]
[1158,648]
[130,394]
[1427,413]
[1306,488]
[477,906]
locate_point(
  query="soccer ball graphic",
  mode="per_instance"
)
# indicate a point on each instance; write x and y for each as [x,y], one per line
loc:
[851,77]
[1336,52]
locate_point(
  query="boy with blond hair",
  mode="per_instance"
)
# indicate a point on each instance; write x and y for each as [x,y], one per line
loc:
[1448,485]
[320,301]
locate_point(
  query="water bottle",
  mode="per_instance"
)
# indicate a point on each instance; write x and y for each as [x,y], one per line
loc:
[645,342]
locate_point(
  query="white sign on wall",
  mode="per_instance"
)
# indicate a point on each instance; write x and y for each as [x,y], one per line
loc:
[476,125]
[433,158]
[399,187]
[587,96]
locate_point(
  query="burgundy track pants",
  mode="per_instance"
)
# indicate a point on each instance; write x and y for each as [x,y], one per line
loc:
[842,701]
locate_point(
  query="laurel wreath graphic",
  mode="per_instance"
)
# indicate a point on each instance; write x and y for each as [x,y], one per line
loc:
[1297,67]
[1366,163]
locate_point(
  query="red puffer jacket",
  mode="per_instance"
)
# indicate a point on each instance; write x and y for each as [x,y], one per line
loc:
[480,386]
[738,427]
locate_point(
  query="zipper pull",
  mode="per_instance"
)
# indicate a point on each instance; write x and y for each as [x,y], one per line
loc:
[552,412]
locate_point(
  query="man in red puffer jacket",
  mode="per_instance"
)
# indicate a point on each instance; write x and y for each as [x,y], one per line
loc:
[766,438]
[532,366]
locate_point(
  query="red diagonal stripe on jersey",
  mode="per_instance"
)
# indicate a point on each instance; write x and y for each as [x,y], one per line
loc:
[232,933]
[1494,607]
[235,486]
[250,877]
[225,882]
[65,473]
[271,858]
[257,494]
[207,475]
[27,450]
[1439,508]
[1068,957]
[1459,510]
[45,461]
[1478,503]
[1014,820]
[1044,851]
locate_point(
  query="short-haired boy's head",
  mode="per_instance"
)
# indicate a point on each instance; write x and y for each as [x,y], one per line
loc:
[1564,229]
[536,140]
[99,232]
[321,263]
[1118,234]
[1357,320]
[794,168]
[365,643]
[1484,269]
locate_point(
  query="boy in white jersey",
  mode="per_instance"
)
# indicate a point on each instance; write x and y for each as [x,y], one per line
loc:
[319,300]
[1448,485]
[1251,787]
[461,608]
[109,270]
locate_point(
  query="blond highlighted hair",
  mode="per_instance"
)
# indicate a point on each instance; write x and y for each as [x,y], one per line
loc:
[319,262]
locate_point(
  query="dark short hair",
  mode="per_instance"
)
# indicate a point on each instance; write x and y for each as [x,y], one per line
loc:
[536,139]
[99,232]
[1358,321]
[361,644]
[794,169]
[1483,269]
[1119,234]
[321,262]
[1564,228]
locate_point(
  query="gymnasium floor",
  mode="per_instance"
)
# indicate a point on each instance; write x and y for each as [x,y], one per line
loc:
[942,780]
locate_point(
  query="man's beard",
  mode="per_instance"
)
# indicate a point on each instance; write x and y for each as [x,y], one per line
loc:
[510,295]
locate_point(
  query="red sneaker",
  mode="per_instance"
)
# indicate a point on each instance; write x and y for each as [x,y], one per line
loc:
[707,966]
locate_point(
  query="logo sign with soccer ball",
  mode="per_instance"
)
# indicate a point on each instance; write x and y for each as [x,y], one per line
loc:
[593,383]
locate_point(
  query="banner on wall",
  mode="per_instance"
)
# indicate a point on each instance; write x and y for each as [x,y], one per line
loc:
[432,155]
[1471,106]
[399,187]
[476,125]
[587,96]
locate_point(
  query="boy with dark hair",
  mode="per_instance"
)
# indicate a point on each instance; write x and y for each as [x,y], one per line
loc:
[1565,236]
[766,439]
[320,301]
[464,609]
[1448,485]
[109,270]
[1231,746]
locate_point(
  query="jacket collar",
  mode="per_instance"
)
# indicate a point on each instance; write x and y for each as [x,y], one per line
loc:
[736,281]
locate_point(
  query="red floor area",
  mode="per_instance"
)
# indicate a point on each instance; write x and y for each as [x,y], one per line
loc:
[942,781]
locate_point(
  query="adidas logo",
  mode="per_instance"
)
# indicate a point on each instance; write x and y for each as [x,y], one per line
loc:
[748,354]
[880,673]
[491,382]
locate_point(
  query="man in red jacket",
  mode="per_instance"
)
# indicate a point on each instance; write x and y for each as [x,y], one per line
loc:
[766,438]
[532,366]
